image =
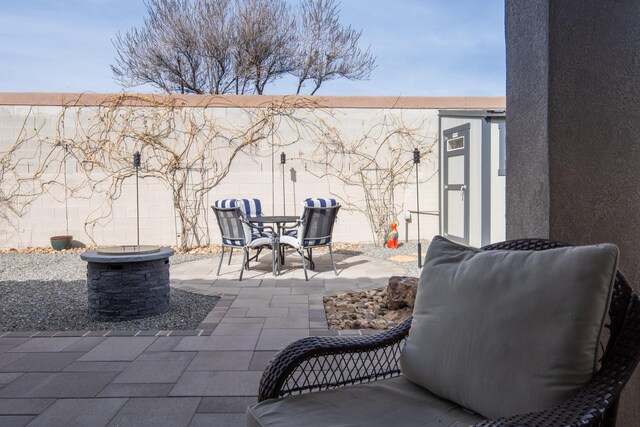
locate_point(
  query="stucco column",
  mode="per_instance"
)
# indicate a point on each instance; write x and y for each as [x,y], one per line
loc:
[573,130]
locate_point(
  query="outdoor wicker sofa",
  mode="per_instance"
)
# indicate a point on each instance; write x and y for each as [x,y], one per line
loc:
[329,363]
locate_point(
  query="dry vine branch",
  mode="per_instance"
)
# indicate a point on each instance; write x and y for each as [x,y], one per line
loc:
[26,170]
[189,149]
[374,165]
[186,148]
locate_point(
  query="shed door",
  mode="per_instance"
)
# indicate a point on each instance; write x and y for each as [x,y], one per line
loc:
[456,184]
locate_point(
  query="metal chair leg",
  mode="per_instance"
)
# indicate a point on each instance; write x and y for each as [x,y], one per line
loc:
[332,261]
[275,254]
[244,261]
[230,253]
[304,265]
[221,256]
[255,257]
[281,250]
[312,265]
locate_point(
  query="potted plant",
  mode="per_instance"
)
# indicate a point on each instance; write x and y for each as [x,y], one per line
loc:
[61,242]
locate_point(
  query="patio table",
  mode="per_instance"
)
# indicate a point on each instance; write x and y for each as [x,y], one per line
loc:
[280,221]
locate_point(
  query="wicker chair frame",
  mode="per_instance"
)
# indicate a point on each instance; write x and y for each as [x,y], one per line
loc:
[320,363]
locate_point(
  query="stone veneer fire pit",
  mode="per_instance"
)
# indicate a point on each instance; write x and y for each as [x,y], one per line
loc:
[127,282]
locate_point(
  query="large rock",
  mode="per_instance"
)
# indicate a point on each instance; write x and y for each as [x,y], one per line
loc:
[397,316]
[401,292]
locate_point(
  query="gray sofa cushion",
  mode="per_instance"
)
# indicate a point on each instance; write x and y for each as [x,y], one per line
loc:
[391,402]
[508,332]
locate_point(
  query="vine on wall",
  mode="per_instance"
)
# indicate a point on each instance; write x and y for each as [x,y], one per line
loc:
[191,151]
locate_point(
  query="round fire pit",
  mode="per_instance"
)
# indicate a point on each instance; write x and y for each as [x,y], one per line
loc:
[127,282]
[128,250]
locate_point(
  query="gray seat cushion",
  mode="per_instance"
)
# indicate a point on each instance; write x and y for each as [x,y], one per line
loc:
[391,402]
[508,332]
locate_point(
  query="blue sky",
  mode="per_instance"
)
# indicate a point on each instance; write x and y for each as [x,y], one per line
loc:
[423,47]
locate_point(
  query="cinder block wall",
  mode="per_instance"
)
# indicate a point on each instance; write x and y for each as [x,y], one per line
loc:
[258,175]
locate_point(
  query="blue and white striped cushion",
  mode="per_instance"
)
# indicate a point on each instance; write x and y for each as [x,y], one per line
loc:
[316,242]
[255,234]
[292,232]
[237,242]
[250,207]
[316,202]
[225,203]
[320,202]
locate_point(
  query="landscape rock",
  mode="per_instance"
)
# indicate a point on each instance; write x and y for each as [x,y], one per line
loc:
[364,310]
[397,316]
[401,292]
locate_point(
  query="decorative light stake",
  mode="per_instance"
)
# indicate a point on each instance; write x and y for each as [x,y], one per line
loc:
[416,161]
[136,163]
[283,161]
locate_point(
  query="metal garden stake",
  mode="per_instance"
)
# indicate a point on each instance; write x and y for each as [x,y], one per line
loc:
[416,161]
[136,163]
[283,161]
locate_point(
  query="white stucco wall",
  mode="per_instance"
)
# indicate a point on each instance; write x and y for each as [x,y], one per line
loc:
[250,176]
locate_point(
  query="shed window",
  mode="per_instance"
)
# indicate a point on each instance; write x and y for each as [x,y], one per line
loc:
[455,143]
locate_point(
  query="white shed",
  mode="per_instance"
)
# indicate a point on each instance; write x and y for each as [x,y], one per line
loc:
[472,175]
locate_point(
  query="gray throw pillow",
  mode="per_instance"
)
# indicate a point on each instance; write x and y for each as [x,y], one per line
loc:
[508,332]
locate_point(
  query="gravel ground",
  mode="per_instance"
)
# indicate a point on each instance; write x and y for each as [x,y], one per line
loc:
[58,266]
[409,249]
[47,292]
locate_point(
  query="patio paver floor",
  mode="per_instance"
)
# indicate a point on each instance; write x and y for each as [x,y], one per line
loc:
[179,378]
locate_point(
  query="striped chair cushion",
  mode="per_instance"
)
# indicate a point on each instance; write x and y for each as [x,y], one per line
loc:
[237,242]
[255,234]
[319,202]
[225,203]
[314,202]
[292,232]
[316,242]
[250,207]
[253,207]
[228,223]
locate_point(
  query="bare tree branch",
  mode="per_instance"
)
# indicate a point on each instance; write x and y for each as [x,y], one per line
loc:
[327,50]
[265,40]
[238,46]
[165,52]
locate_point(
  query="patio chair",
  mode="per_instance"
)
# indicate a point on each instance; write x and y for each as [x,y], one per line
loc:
[371,380]
[313,202]
[238,233]
[314,230]
[253,208]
